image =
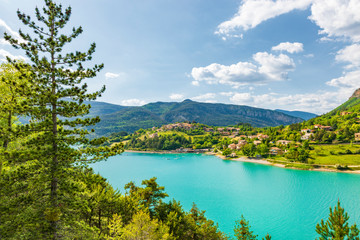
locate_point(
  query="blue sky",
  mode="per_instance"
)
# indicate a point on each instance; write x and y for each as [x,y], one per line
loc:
[294,55]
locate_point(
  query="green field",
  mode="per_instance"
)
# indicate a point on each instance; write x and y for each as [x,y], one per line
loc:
[335,154]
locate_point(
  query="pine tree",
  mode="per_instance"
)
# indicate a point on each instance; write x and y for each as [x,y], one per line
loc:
[57,113]
[337,226]
[242,230]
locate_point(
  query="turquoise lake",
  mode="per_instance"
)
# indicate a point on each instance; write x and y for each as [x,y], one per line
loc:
[285,203]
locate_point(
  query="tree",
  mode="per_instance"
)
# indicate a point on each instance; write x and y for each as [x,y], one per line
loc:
[249,150]
[263,149]
[57,110]
[337,226]
[226,152]
[242,230]
[142,227]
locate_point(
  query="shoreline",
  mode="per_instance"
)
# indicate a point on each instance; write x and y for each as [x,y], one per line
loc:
[250,160]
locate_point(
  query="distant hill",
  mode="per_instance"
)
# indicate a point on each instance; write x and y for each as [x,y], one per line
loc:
[157,114]
[300,114]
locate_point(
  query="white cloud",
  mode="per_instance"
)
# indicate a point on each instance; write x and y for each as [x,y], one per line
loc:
[176,96]
[110,75]
[205,97]
[319,102]
[4,54]
[242,98]
[133,102]
[274,67]
[4,42]
[310,55]
[337,18]
[253,12]
[289,47]
[227,94]
[195,83]
[5,28]
[269,68]
[349,80]
[350,54]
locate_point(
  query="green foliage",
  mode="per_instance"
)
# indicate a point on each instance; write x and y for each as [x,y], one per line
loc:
[249,150]
[52,144]
[226,152]
[242,230]
[141,227]
[337,226]
[263,149]
[162,142]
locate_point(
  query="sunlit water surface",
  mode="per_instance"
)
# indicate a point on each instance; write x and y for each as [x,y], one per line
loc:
[283,202]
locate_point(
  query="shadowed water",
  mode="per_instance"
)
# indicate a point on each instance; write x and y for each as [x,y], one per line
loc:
[283,202]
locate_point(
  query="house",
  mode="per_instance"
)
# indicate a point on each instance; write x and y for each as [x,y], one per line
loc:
[283,142]
[208,129]
[306,130]
[240,144]
[154,135]
[243,136]
[257,142]
[306,136]
[276,151]
[232,146]
[233,155]
[357,136]
[326,128]
[253,137]
[225,133]
[345,113]
[262,136]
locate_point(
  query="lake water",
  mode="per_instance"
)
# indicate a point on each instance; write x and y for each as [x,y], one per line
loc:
[285,203]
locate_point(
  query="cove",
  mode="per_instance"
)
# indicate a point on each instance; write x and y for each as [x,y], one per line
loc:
[285,203]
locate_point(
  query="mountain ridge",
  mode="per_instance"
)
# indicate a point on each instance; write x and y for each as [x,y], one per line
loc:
[156,114]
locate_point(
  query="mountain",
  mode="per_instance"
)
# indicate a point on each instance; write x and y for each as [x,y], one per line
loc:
[300,114]
[353,104]
[157,114]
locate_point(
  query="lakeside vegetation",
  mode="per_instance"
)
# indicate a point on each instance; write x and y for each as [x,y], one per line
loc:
[328,141]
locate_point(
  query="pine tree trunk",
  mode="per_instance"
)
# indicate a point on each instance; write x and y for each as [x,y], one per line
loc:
[54,167]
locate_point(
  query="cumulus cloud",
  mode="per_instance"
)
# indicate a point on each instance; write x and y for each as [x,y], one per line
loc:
[205,97]
[110,75]
[268,67]
[350,54]
[274,67]
[337,18]
[319,102]
[289,47]
[348,80]
[133,102]
[4,54]
[176,96]
[253,12]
